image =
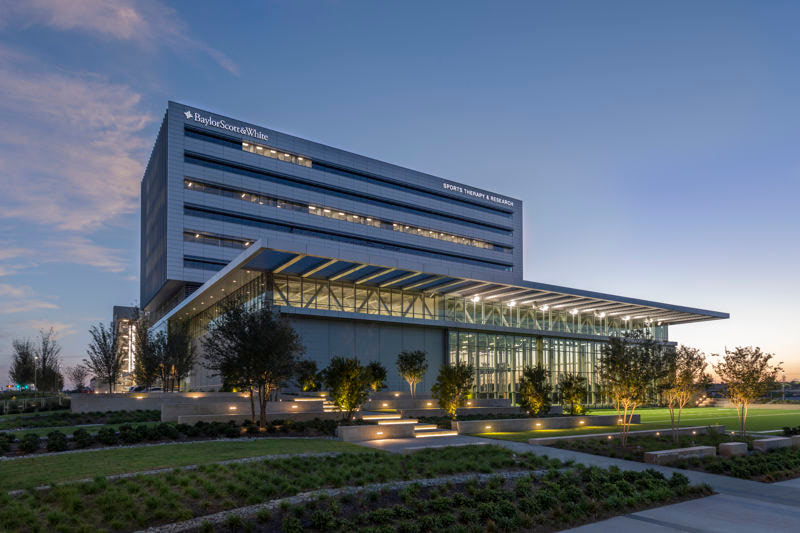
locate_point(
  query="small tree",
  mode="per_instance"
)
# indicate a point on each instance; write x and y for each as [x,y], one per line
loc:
[307,376]
[748,374]
[348,383]
[378,376]
[534,390]
[630,367]
[572,390]
[452,386]
[23,362]
[256,350]
[178,354]
[105,357]
[48,354]
[77,375]
[685,379]
[412,365]
[147,354]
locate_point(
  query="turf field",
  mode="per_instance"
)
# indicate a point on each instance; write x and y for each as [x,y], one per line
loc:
[657,418]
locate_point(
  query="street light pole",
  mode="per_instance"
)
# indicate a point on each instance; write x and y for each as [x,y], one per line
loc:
[35,372]
[783,387]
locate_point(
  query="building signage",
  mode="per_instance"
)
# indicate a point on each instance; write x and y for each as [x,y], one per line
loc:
[477,194]
[208,120]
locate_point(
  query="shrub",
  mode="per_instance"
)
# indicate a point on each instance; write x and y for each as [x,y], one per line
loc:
[107,436]
[82,438]
[29,443]
[56,442]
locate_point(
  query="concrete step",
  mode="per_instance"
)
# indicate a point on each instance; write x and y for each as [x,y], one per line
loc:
[393,421]
[425,427]
[385,416]
[435,433]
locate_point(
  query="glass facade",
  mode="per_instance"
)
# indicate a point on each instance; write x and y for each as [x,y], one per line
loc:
[498,356]
[498,360]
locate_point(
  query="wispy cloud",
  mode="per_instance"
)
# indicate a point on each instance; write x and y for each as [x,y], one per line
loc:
[145,23]
[72,149]
[82,251]
[20,299]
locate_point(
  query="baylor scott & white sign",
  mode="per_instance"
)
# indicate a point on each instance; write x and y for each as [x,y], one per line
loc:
[208,120]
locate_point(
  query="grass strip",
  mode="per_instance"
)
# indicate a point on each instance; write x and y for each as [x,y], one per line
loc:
[52,469]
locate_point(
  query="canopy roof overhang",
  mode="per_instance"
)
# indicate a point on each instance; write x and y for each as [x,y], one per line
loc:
[258,259]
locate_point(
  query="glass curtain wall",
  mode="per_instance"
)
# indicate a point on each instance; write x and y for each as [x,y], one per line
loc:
[306,293]
[498,360]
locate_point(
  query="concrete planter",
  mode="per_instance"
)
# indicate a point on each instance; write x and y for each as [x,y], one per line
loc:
[732,449]
[772,443]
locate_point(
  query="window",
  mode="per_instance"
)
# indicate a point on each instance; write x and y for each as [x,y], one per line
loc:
[330,212]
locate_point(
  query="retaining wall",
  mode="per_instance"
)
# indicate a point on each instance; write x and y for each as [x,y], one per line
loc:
[530,424]
[172,412]
[416,413]
[242,416]
[426,403]
[374,431]
[699,430]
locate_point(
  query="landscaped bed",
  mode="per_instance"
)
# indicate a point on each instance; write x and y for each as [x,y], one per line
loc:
[550,502]
[12,444]
[638,445]
[133,503]
[67,418]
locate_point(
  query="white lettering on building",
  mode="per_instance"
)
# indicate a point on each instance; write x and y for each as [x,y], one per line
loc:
[241,130]
[477,194]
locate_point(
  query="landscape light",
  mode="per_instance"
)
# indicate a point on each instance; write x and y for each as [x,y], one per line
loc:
[476,299]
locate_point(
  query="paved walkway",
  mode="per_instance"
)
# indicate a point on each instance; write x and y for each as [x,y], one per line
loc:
[740,505]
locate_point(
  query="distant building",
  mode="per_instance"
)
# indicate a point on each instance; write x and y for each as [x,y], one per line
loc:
[124,323]
[366,258]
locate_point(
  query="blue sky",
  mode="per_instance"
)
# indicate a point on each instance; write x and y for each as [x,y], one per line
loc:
[654,146]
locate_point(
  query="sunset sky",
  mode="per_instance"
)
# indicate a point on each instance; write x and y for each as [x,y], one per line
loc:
[654,146]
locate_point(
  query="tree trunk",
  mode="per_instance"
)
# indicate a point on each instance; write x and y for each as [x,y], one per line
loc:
[262,397]
[252,406]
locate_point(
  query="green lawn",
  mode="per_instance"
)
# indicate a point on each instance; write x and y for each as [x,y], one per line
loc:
[35,471]
[757,420]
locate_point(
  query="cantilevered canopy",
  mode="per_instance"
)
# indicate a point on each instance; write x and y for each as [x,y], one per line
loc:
[256,260]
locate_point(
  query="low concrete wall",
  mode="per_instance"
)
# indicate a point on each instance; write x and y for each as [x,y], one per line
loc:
[427,403]
[663,457]
[692,430]
[85,403]
[462,411]
[241,417]
[725,404]
[171,412]
[732,449]
[772,443]
[374,431]
[530,424]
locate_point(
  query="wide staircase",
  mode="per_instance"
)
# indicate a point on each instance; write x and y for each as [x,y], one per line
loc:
[420,430]
[707,401]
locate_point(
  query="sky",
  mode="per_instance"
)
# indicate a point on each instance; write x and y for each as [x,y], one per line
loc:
[653,145]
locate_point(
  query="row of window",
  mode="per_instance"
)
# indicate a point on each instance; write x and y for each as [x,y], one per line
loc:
[266,151]
[336,169]
[330,190]
[265,223]
[329,212]
[215,240]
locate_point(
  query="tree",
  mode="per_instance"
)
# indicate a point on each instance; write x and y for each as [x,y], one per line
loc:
[77,375]
[348,383]
[572,391]
[378,373]
[452,386]
[256,350]
[307,376]
[23,362]
[48,358]
[534,390]
[748,374]
[631,367]
[685,379]
[147,357]
[177,354]
[105,357]
[412,366]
